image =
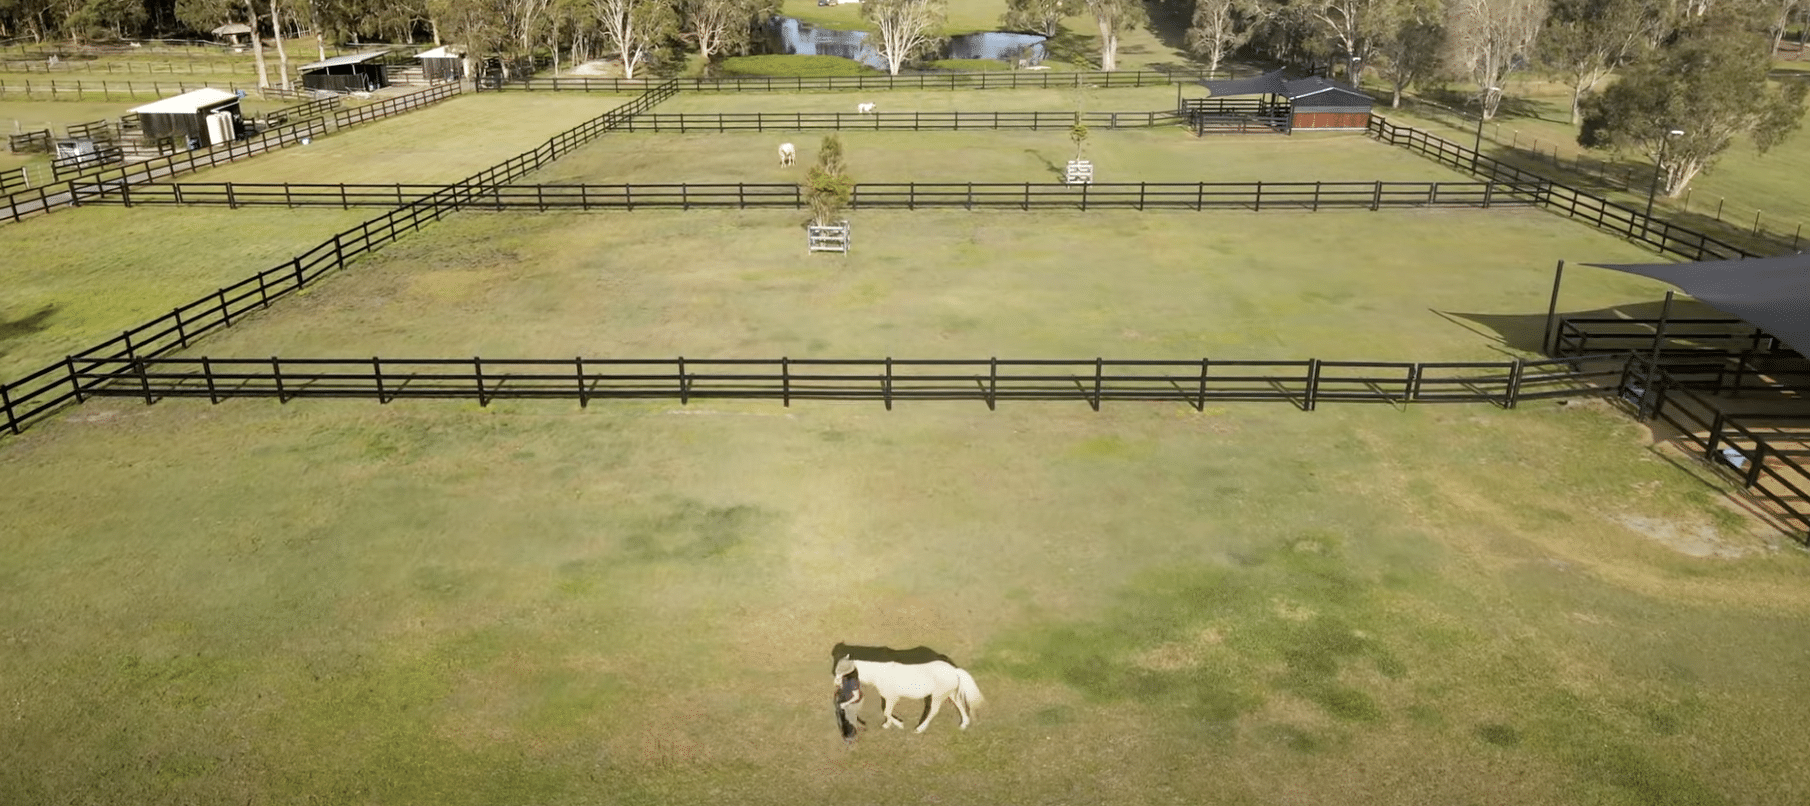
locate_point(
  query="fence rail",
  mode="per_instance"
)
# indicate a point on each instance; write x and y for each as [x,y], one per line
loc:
[43,392]
[895,121]
[1256,196]
[54,90]
[14,179]
[1195,382]
[1034,79]
[1595,210]
[1763,469]
[396,106]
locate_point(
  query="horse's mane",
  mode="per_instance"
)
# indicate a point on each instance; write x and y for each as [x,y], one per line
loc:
[881,654]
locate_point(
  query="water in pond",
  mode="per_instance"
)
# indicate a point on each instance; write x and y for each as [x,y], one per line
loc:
[796,37]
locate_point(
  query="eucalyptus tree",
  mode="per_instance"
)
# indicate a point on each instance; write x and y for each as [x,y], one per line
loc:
[1113,18]
[1220,27]
[1411,47]
[718,26]
[1684,104]
[635,28]
[1490,39]
[1586,40]
[1036,16]
[906,29]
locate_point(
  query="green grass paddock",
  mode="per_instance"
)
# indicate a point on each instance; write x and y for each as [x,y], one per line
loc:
[78,277]
[951,284]
[431,602]
[440,143]
[1161,154]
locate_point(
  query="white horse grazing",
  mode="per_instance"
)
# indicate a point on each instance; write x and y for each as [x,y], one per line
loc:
[787,154]
[937,680]
[864,108]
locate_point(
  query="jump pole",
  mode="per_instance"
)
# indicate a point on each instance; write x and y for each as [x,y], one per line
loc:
[1552,311]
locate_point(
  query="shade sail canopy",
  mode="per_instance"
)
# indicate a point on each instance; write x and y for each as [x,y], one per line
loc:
[1771,293]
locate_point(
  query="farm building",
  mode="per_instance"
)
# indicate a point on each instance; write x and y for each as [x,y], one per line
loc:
[1279,104]
[237,34]
[358,72]
[205,117]
[442,64]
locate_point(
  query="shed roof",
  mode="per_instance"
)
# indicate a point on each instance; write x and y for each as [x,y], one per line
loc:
[190,101]
[232,28]
[1324,91]
[1772,292]
[339,60]
[442,52]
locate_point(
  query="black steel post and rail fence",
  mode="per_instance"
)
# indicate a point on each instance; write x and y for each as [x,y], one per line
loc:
[1013,80]
[1597,211]
[41,393]
[1766,471]
[726,122]
[79,190]
[1256,196]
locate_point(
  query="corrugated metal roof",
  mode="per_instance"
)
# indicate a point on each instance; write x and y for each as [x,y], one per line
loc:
[1266,84]
[339,60]
[232,28]
[187,102]
[442,52]
[1325,92]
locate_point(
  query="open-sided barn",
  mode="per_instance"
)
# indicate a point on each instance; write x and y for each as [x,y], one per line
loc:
[203,117]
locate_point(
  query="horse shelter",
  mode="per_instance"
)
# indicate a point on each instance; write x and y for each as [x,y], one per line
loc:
[203,117]
[358,72]
[1280,105]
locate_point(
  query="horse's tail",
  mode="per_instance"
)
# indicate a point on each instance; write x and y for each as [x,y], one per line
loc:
[966,689]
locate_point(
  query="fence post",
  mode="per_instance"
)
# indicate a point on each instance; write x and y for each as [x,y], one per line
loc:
[6,400]
[144,379]
[886,380]
[1376,198]
[75,381]
[477,374]
[992,382]
[377,374]
[684,385]
[578,367]
[225,314]
[207,372]
[1513,395]
[1099,367]
[276,374]
[1200,404]
[1313,384]
[785,381]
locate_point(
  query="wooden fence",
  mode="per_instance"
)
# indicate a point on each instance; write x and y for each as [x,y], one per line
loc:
[79,164]
[1193,382]
[1595,210]
[1763,469]
[1013,80]
[53,90]
[895,121]
[41,393]
[14,179]
[73,192]
[1256,196]
[396,106]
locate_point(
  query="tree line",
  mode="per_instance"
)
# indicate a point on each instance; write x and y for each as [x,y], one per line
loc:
[1690,76]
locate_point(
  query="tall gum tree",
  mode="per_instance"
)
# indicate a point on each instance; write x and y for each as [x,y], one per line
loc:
[1113,18]
[906,29]
[1490,39]
[1711,85]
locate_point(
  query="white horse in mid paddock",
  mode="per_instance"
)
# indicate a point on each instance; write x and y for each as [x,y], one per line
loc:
[937,680]
[786,154]
[864,108]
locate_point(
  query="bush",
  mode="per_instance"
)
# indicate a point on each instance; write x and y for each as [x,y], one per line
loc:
[802,66]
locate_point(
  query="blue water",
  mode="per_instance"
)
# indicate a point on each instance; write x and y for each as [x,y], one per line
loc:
[795,37]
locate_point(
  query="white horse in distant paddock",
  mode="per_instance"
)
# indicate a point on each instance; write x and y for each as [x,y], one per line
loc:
[937,680]
[865,109]
[787,154]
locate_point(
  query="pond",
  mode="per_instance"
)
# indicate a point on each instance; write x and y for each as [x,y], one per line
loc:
[792,36]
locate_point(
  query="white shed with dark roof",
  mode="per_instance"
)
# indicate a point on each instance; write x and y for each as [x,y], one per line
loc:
[443,63]
[205,117]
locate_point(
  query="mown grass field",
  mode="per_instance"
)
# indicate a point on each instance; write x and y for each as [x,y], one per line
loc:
[441,603]
[1161,154]
[951,284]
[441,143]
[78,277]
